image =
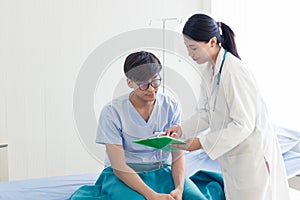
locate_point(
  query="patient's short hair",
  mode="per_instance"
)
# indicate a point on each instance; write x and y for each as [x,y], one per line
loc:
[141,66]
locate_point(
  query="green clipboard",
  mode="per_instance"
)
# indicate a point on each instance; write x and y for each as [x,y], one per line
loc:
[162,142]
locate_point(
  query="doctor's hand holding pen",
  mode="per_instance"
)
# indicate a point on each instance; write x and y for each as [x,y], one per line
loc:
[191,144]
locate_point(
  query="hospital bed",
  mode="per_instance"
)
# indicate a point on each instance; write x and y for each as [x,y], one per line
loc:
[61,187]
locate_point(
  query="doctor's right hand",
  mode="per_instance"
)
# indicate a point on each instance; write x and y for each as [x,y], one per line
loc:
[191,144]
[174,131]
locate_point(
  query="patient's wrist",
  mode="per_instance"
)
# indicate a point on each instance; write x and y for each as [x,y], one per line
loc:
[180,188]
[149,194]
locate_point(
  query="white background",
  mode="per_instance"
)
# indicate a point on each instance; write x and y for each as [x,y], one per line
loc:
[267,34]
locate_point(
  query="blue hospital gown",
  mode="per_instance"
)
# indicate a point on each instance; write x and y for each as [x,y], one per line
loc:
[120,123]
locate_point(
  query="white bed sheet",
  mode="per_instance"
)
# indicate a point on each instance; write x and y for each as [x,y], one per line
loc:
[50,188]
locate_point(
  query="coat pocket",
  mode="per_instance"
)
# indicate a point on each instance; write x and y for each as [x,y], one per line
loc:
[247,171]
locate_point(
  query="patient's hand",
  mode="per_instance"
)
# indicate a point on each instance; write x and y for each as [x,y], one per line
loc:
[162,197]
[177,194]
[191,144]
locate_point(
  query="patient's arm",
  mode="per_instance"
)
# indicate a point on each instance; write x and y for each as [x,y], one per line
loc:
[178,173]
[129,176]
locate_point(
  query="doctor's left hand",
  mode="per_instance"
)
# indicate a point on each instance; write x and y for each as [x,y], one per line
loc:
[191,144]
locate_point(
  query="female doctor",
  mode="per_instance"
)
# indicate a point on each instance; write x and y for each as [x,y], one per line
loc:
[231,110]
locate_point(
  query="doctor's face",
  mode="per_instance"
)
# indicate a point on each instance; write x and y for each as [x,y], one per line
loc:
[198,51]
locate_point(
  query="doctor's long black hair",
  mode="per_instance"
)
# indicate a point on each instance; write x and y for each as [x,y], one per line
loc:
[202,28]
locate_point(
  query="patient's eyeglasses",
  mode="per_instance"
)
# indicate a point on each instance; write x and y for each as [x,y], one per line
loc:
[154,83]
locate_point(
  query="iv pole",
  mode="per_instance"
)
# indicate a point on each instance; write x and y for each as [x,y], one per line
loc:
[164,20]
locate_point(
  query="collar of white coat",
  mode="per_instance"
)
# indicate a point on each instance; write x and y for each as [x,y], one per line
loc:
[219,61]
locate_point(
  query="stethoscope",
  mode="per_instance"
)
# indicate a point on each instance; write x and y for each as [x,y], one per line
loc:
[221,67]
[216,88]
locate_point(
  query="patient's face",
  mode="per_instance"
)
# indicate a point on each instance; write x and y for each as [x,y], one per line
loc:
[146,91]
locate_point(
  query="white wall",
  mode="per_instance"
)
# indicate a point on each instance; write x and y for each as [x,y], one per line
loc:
[43,45]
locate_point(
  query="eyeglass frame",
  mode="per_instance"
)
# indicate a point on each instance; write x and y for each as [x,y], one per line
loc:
[150,83]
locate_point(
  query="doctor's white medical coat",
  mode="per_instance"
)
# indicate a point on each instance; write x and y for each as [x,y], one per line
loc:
[239,133]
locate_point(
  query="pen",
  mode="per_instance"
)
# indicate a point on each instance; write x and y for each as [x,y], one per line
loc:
[159,133]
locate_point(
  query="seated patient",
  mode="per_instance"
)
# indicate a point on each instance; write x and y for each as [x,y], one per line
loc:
[133,171]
